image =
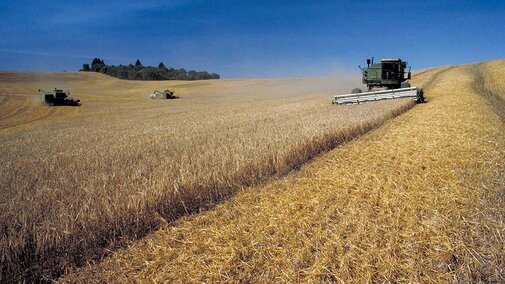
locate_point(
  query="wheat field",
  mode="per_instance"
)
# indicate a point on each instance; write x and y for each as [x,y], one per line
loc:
[419,200]
[79,182]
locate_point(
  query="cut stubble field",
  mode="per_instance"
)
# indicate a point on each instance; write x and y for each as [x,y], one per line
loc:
[80,182]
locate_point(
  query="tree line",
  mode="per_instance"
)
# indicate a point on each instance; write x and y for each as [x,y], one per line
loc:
[139,72]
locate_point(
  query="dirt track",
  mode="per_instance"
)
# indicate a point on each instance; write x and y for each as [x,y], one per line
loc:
[418,200]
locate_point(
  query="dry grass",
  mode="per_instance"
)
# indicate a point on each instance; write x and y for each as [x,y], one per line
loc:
[418,200]
[79,181]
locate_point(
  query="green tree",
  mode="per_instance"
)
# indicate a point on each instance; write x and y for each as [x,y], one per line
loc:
[140,72]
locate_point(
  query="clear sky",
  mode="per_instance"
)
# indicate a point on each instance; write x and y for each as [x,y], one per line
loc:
[244,39]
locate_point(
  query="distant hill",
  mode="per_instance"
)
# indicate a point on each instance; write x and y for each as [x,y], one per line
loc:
[140,72]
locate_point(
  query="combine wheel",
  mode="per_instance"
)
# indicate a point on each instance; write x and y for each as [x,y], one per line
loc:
[420,96]
[356,91]
[405,85]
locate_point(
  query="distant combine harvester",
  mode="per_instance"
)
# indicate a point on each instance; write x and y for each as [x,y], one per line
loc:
[58,97]
[167,94]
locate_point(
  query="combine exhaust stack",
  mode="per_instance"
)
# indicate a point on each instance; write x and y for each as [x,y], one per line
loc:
[391,74]
[410,92]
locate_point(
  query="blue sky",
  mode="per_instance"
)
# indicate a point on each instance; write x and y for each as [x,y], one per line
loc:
[245,39]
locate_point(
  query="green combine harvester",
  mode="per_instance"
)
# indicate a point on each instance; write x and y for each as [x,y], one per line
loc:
[385,80]
[58,97]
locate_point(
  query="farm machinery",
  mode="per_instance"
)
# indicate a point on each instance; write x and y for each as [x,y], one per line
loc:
[167,94]
[385,80]
[58,97]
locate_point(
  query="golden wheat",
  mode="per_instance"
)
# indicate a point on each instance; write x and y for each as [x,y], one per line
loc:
[419,200]
[77,182]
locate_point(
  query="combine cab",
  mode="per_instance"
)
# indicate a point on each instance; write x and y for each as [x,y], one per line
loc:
[384,80]
[59,97]
[167,94]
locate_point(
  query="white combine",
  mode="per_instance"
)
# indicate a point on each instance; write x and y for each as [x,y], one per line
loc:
[390,75]
[167,94]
